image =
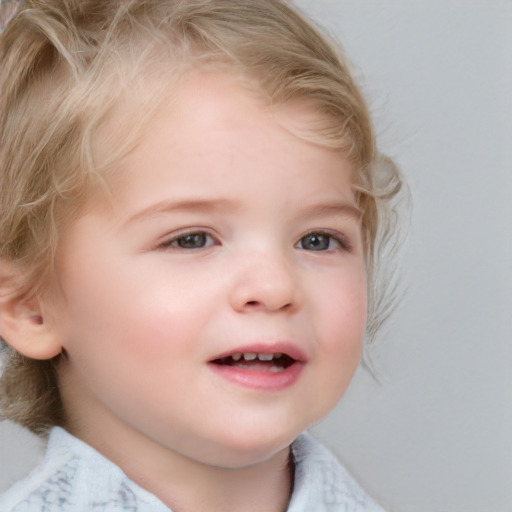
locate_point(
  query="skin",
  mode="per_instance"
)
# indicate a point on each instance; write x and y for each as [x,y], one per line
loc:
[140,316]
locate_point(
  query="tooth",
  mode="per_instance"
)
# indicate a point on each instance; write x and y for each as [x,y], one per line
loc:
[237,356]
[278,355]
[265,357]
[249,356]
[275,369]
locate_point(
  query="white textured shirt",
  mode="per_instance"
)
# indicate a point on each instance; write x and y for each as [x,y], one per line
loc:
[73,477]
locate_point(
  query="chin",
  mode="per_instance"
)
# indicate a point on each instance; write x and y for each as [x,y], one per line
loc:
[241,451]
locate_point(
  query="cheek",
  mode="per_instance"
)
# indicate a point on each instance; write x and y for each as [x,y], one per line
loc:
[130,314]
[339,324]
[342,325]
[344,306]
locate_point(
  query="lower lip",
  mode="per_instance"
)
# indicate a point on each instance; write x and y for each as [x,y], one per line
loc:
[259,379]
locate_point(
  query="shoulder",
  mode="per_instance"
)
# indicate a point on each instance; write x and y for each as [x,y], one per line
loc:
[73,477]
[321,481]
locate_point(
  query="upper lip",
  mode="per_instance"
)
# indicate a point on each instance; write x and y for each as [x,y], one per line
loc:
[285,348]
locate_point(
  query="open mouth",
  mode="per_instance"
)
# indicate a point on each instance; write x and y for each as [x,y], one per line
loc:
[275,363]
[262,368]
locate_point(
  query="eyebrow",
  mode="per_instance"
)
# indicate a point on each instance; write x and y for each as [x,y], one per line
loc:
[209,206]
[206,206]
[343,209]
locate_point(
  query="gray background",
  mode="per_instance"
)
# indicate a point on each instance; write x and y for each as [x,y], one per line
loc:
[435,435]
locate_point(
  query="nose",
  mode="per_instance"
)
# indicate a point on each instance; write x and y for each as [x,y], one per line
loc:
[265,282]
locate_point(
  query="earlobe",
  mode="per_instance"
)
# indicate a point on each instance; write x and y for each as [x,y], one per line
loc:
[23,324]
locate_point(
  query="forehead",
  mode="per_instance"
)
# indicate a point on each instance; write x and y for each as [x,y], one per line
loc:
[221,108]
[212,137]
[207,101]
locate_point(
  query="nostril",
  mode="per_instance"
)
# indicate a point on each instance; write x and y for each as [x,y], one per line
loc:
[255,293]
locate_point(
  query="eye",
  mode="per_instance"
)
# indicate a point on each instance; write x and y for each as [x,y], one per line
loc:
[193,240]
[320,241]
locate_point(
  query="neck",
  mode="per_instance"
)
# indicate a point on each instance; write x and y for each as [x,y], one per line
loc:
[186,485]
[265,486]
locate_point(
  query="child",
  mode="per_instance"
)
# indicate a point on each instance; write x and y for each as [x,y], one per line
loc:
[190,213]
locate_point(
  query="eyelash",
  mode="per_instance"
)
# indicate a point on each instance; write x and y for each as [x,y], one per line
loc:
[322,235]
[340,239]
[171,243]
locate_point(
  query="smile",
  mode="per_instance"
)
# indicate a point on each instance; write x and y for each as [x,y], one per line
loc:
[277,362]
[261,370]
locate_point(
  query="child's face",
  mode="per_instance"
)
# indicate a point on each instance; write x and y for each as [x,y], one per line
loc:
[228,235]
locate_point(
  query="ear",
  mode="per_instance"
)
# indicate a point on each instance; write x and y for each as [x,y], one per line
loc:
[24,325]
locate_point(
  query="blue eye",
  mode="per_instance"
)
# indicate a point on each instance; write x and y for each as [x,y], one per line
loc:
[315,242]
[196,240]
[318,241]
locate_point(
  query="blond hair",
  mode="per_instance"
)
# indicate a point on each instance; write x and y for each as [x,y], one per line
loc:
[67,64]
